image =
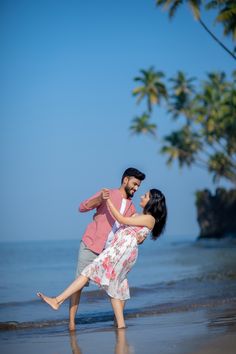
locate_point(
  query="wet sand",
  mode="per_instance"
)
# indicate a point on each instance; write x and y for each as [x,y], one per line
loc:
[202,331]
[223,344]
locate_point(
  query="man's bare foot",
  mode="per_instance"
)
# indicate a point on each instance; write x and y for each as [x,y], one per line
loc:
[72,326]
[51,301]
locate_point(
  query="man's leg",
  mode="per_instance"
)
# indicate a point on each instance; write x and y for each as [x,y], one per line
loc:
[74,304]
[74,344]
[85,257]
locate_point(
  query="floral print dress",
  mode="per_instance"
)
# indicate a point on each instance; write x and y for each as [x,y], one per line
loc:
[110,268]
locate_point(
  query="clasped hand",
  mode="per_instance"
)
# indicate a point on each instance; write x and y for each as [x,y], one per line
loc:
[105,194]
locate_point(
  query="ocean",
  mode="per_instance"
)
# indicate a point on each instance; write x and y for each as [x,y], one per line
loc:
[169,276]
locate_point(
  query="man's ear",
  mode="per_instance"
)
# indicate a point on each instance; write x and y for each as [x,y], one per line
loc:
[125,180]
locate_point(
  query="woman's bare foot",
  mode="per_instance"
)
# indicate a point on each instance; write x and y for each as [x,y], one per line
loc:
[51,301]
[72,326]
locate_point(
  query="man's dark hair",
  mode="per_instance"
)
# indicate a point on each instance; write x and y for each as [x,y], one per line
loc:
[133,172]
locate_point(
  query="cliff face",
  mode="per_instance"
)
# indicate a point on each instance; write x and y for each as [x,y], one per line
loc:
[216,214]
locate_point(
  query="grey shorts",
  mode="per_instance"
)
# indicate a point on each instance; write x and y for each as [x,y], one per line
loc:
[85,257]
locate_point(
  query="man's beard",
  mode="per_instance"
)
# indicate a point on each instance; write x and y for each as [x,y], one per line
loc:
[127,190]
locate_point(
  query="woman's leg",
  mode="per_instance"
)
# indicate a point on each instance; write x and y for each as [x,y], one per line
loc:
[118,308]
[55,302]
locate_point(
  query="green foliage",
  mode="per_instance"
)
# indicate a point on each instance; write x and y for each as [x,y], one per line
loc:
[182,145]
[183,89]
[142,125]
[152,89]
[173,5]
[226,15]
[206,115]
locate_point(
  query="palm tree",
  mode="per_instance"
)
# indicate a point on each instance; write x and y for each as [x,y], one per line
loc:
[195,5]
[226,16]
[152,89]
[213,107]
[183,145]
[141,125]
[221,166]
[183,90]
[208,136]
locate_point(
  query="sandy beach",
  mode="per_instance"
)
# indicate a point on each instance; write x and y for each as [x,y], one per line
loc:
[202,331]
[224,344]
[186,304]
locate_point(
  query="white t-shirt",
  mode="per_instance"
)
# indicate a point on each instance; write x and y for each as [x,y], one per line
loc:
[116,224]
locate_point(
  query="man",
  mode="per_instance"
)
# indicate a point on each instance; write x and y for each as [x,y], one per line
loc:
[99,233]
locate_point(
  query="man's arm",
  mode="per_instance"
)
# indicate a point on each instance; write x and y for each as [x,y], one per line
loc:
[94,202]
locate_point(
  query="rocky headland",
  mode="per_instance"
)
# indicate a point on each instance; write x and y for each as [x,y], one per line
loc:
[216,213]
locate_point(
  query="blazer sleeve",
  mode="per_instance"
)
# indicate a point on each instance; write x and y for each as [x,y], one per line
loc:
[83,208]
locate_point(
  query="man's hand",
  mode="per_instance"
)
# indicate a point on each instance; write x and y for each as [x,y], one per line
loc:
[97,201]
[105,194]
[140,239]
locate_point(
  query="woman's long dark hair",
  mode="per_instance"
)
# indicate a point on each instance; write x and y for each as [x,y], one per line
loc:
[156,206]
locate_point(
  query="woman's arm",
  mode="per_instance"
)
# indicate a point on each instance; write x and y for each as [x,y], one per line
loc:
[137,220]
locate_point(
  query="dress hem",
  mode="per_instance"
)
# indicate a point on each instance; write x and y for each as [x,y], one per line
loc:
[103,286]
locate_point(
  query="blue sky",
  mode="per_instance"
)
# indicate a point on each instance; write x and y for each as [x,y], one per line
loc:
[67,69]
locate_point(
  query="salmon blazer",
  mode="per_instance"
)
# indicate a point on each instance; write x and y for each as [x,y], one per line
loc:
[97,231]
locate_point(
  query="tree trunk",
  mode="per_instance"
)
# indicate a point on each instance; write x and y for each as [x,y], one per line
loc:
[216,39]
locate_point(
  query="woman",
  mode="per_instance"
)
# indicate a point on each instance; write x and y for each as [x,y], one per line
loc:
[110,268]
